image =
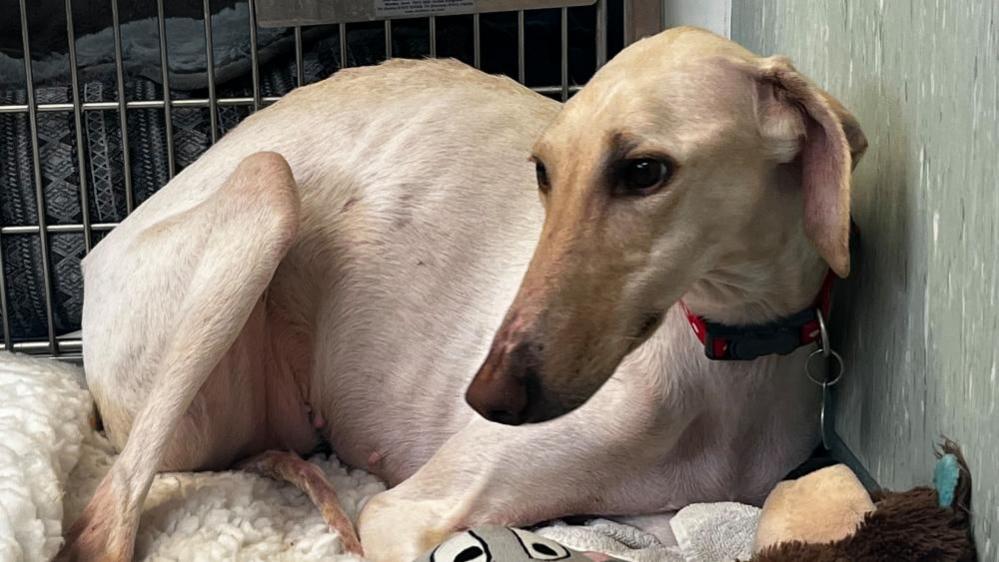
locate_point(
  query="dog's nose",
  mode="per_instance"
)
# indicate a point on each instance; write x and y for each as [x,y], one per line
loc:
[507,383]
[498,396]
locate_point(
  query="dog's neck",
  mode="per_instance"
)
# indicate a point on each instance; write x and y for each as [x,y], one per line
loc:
[774,274]
[757,292]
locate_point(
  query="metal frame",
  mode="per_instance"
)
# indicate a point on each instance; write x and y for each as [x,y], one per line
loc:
[641,17]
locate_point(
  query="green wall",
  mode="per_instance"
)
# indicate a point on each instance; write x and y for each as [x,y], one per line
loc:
[920,325]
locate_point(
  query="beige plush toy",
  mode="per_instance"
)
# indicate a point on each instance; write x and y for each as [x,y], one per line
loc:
[828,516]
[824,506]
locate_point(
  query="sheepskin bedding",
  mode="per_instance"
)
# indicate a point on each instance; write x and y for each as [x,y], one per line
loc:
[51,461]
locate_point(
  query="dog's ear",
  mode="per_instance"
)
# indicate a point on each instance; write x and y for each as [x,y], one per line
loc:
[800,121]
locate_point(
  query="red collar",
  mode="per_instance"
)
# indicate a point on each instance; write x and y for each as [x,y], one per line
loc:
[779,337]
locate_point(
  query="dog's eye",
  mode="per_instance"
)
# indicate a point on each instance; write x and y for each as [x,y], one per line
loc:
[542,174]
[642,176]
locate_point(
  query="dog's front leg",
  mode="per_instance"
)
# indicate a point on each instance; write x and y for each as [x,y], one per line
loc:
[589,462]
[232,244]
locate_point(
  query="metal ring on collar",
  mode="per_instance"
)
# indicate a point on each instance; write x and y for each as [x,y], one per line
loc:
[830,381]
[825,349]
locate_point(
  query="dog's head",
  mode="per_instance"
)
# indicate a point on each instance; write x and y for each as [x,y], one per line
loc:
[686,159]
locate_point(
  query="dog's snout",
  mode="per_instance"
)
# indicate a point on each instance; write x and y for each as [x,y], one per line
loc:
[505,388]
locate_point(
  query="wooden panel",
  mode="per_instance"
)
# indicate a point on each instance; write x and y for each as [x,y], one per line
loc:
[921,324]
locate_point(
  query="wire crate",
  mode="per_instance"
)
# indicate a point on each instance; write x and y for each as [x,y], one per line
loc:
[101,103]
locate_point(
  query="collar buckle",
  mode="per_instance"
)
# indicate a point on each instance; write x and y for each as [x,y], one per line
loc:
[750,345]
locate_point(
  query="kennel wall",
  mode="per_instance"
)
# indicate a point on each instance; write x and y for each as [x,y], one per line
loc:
[919,323]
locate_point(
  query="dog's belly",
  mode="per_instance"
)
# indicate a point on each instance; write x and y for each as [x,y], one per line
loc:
[410,314]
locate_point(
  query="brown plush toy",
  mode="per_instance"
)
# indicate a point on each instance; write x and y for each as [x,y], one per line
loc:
[828,516]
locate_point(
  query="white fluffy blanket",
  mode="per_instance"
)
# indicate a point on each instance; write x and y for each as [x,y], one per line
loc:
[51,461]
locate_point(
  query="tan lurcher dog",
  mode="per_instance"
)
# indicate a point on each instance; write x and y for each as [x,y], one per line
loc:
[347,283]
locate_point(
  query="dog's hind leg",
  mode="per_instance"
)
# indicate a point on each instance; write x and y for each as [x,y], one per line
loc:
[307,477]
[174,292]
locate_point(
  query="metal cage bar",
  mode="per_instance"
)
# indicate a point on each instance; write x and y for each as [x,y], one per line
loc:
[343,45]
[432,31]
[388,39]
[165,79]
[36,162]
[477,41]
[78,128]
[64,347]
[213,118]
[564,68]
[139,104]
[626,16]
[3,302]
[601,32]
[521,60]
[119,63]
[57,228]
[299,57]
[7,335]
[254,60]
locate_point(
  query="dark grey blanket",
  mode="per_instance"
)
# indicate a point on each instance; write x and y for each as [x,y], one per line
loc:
[104,172]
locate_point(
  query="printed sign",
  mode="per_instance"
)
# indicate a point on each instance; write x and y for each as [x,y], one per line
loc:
[422,8]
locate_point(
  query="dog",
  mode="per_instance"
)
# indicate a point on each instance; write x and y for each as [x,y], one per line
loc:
[342,265]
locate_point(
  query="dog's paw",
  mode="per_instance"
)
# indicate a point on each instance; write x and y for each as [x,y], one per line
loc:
[86,543]
[398,530]
[99,535]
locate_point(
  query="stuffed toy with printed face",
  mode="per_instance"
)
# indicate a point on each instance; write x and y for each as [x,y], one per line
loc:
[502,544]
